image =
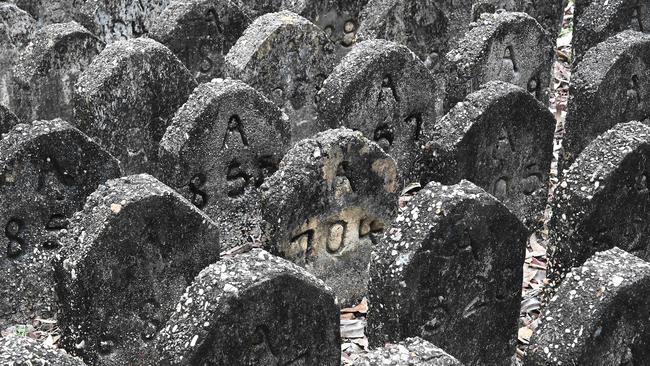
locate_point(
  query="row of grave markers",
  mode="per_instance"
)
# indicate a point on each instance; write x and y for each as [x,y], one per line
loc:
[324,207]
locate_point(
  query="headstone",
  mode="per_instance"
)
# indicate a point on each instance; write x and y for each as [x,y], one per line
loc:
[50,11]
[127,98]
[609,86]
[16,28]
[599,315]
[505,46]
[128,257]
[383,90]
[326,206]
[548,13]
[7,120]
[46,72]
[449,270]
[48,170]
[501,139]
[603,200]
[201,33]
[218,150]
[601,19]
[253,309]
[287,58]
[412,351]
[21,351]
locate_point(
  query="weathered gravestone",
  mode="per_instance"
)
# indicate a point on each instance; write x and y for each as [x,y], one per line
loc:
[383,90]
[449,270]
[600,315]
[253,309]
[610,85]
[601,19]
[16,27]
[127,98]
[603,200]
[287,58]
[24,351]
[505,46]
[7,119]
[46,72]
[200,33]
[327,204]
[412,351]
[48,170]
[501,139]
[126,260]
[218,150]
[50,11]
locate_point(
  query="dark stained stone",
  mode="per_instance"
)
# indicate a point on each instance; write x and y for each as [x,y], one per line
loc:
[127,258]
[449,270]
[127,98]
[501,139]
[603,200]
[412,351]
[23,351]
[327,204]
[609,86]
[200,33]
[383,90]
[7,119]
[44,77]
[599,315]
[218,150]
[505,46]
[286,58]
[48,170]
[16,28]
[253,309]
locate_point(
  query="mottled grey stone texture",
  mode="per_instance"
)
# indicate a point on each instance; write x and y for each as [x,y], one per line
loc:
[609,86]
[383,90]
[449,270]
[501,139]
[48,170]
[412,351]
[505,46]
[7,119]
[218,150]
[286,58]
[16,28]
[201,33]
[602,200]
[24,351]
[45,74]
[127,98]
[598,20]
[253,309]
[126,260]
[599,316]
[326,206]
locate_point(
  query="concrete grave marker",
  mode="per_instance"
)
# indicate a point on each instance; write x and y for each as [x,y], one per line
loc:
[16,28]
[23,350]
[412,351]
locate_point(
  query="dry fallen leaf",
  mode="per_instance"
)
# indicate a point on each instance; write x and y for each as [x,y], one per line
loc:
[362,308]
[524,335]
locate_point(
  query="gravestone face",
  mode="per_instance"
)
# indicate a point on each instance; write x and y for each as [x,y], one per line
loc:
[253,309]
[15,350]
[7,119]
[603,200]
[127,258]
[326,205]
[338,19]
[286,58]
[16,28]
[510,47]
[48,170]
[46,72]
[501,139]
[217,152]
[610,85]
[599,315]
[412,351]
[383,90]
[600,19]
[449,270]
[200,33]
[138,75]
